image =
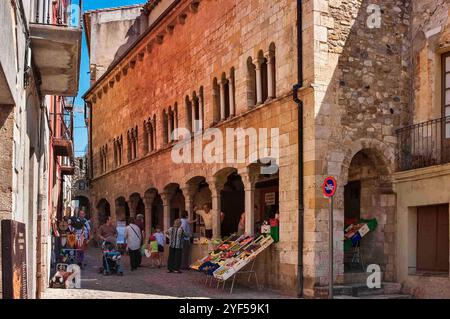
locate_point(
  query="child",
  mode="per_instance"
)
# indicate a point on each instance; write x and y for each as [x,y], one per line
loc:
[155,259]
[160,238]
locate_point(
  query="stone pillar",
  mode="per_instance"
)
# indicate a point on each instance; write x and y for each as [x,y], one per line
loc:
[270,75]
[231,94]
[259,84]
[216,189]
[175,122]
[194,126]
[249,186]
[166,198]
[189,193]
[148,201]
[169,126]
[200,112]
[222,99]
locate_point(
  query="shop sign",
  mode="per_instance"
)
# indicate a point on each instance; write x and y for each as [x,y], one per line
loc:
[270,198]
[14,262]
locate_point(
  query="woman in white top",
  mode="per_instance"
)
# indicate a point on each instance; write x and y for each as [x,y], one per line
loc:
[133,236]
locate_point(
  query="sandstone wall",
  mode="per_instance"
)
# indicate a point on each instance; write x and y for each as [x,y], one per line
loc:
[211,40]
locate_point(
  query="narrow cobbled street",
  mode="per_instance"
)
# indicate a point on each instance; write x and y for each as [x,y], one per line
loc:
[149,283]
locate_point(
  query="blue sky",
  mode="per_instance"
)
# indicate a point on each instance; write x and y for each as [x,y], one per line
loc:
[80,135]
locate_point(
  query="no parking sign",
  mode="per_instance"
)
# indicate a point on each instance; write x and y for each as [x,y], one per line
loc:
[329,186]
[329,189]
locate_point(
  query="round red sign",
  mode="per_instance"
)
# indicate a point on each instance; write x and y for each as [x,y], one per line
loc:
[329,186]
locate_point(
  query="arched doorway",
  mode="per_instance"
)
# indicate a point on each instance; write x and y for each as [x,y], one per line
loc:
[103,211]
[369,198]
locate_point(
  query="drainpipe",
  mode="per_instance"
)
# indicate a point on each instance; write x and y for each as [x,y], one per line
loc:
[301,208]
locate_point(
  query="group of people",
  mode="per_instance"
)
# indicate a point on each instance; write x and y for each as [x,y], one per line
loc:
[178,237]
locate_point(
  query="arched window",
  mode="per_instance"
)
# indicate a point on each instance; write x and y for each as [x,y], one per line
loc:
[201,108]
[188,109]
[195,113]
[116,152]
[154,132]
[251,83]
[165,121]
[261,72]
[271,71]
[120,149]
[135,142]
[130,146]
[145,139]
[216,101]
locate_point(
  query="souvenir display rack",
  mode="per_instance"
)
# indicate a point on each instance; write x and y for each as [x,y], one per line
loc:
[229,258]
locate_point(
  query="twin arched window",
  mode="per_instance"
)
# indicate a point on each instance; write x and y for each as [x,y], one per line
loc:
[261,77]
[132,136]
[224,97]
[149,144]
[195,115]
[118,150]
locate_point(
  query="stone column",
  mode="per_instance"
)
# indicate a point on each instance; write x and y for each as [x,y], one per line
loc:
[216,189]
[270,75]
[169,126]
[148,201]
[259,84]
[231,94]
[166,198]
[189,193]
[249,186]
[222,99]
[200,112]
[194,126]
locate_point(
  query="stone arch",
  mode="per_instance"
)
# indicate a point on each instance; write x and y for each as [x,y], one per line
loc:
[384,155]
[366,192]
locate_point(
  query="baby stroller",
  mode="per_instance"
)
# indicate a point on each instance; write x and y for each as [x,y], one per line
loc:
[111,260]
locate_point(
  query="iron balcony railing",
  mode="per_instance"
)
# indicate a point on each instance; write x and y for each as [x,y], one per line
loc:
[65,13]
[424,144]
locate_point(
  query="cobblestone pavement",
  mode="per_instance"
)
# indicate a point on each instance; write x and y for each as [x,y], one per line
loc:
[148,283]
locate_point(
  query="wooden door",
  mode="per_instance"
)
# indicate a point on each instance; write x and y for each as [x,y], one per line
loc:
[433,238]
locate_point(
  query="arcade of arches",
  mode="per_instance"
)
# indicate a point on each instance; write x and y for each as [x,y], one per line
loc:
[229,191]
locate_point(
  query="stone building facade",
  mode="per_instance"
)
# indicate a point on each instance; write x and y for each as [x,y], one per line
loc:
[33,121]
[371,69]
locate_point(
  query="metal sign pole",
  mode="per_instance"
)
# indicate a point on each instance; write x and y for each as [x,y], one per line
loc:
[330,245]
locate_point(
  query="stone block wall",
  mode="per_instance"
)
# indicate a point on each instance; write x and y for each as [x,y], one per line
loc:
[184,53]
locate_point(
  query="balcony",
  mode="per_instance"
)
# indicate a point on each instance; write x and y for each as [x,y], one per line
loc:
[56,45]
[63,140]
[424,144]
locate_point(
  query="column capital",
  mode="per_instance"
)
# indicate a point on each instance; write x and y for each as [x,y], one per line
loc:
[166,198]
[188,190]
[149,199]
[248,179]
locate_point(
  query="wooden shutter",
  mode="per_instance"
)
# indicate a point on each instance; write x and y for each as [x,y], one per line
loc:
[433,238]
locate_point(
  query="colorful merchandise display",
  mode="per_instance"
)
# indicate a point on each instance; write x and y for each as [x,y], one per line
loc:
[353,233]
[232,255]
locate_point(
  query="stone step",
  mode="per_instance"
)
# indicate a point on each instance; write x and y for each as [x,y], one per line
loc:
[358,290]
